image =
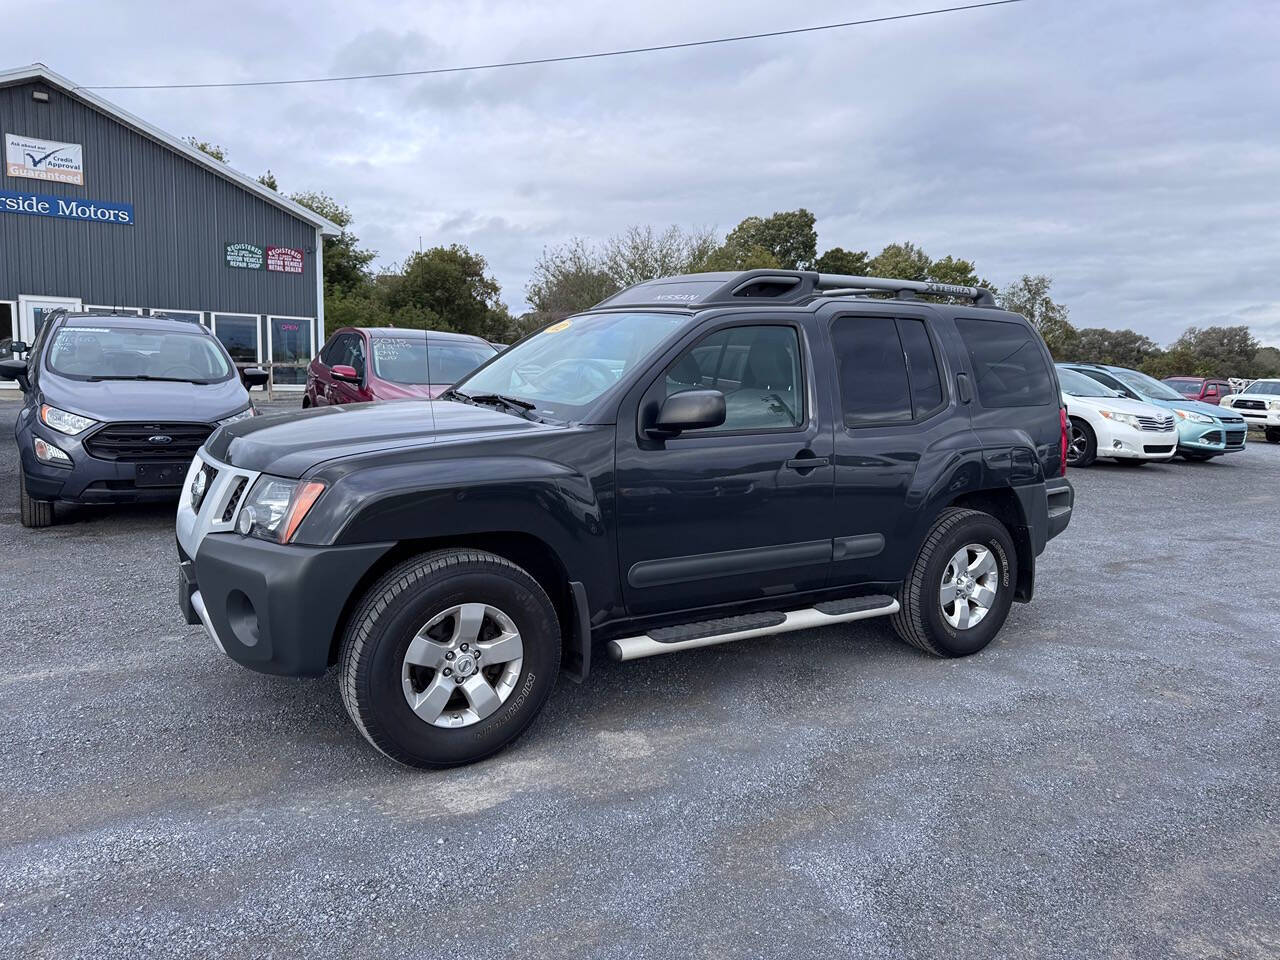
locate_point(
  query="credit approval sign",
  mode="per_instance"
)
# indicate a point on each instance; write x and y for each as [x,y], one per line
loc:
[43,159]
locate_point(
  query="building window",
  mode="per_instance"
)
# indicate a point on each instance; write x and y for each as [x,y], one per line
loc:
[239,334]
[292,341]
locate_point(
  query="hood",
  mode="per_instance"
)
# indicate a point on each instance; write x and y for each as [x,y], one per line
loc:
[153,400]
[290,444]
[1138,408]
[1196,406]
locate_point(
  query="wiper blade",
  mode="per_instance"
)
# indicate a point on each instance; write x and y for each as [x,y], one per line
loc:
[452,394]
[521,407]
[143,376]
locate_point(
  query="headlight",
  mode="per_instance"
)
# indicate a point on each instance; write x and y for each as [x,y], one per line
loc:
[246,412]
[64,422]
[1273,404]
[1193,416]
[1128,418]
[276,506]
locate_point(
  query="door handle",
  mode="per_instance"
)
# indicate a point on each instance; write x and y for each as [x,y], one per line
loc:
[806,463]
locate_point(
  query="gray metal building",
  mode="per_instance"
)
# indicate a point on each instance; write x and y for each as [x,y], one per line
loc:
[99,210]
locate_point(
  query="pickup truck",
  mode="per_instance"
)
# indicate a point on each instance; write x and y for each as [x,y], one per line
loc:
[697,460]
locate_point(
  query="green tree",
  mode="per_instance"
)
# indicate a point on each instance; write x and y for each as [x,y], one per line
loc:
[1030,297]
[268,180]
[641,253]
[346,266]
[1124,348]
[1268,362]
[1218,351]
[785,240]
[840,260]
[446,288]
[212,149]
[901,261]
[568,279]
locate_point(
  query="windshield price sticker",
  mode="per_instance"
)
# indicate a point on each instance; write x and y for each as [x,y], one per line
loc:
[557,327]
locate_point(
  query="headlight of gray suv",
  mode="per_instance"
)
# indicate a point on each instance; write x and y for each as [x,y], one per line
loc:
[276,506]
[246,412]
[69,423]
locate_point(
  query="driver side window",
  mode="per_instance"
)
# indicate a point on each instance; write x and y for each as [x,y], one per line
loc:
[757,368]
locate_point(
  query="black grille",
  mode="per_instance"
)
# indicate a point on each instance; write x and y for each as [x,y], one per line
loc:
[133,442]
[1249,404]
[1235,438]
[1154,448]
[1211,436]
[230,512]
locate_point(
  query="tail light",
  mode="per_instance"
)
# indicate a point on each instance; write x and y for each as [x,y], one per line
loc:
[1064,439]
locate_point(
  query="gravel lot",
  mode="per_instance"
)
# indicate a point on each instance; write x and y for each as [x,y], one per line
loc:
[1102,781]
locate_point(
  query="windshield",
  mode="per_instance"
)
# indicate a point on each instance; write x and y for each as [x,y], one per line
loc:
[405,360]
[1188,388]
[1146,386]
[121,353]
[1263,386]
[563,368]
[1078,385]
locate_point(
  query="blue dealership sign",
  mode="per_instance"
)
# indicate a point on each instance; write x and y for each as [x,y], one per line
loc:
[65,208]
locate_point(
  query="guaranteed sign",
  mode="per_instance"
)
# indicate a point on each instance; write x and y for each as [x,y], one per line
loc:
[65,208]
[43,159]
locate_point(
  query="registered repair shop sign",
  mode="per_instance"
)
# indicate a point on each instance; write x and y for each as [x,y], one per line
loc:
[246,256]
[43,159]
[284,259]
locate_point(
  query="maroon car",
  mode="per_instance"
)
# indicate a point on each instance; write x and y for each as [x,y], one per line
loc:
[1204,389]
[360,364]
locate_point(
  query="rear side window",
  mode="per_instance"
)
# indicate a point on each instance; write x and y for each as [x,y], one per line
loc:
[888,370]
[1008,364]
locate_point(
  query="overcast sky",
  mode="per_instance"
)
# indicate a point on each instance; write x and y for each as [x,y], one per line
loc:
[1131,151]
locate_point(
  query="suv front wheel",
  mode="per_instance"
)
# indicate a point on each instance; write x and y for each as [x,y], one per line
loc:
[449,657]
[958,594]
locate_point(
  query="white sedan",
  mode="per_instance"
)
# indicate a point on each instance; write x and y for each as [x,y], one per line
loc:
[1105,424]
[1259,404]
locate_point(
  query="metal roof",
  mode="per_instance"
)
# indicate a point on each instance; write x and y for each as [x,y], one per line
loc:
[38,71]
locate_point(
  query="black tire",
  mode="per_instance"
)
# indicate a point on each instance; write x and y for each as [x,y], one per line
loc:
[1197,457]
[920,621]
[1081,431]
[33,512]
[1273,434]
[386,620]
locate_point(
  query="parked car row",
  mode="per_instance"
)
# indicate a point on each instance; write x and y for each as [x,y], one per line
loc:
[1132,418]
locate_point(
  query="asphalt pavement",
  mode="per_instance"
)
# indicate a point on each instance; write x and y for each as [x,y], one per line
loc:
[1103,781]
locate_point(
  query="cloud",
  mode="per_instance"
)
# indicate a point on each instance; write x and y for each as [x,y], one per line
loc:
[1128,151]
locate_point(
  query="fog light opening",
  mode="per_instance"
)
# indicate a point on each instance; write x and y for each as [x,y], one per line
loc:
[242,618]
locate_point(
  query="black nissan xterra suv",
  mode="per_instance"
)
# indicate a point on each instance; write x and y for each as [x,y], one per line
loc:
[696,460]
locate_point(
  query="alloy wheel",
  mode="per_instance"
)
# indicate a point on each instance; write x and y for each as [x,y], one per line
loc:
[969,585]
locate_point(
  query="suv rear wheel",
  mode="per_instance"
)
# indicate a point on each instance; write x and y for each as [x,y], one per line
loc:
[449,657]
[33,512]
[959,591]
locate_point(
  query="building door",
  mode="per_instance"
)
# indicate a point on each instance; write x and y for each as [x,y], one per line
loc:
[32,312]
[239,334]
[290,344]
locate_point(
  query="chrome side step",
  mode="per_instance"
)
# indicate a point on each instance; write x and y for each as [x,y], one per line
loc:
[727,630]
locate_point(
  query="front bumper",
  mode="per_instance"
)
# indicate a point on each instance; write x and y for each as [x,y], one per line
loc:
[1212,438]
[1258,418]
[88,479]
[274,608]
[1123,442]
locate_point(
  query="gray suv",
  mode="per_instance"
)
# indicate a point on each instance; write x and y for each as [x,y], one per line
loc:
[116,406]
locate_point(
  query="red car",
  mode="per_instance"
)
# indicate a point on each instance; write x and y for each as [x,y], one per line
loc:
[360,364]
[1200,388]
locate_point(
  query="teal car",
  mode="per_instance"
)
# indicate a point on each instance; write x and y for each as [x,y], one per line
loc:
[1204,431]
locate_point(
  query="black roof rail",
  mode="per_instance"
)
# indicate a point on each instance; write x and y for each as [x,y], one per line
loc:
[777,287]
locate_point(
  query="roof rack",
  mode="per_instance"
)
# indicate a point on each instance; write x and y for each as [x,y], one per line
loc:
[778,287]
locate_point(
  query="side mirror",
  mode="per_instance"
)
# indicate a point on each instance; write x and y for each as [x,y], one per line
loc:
[254,377]
[15,370]
[689,410]
[343,371]
[18,346]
